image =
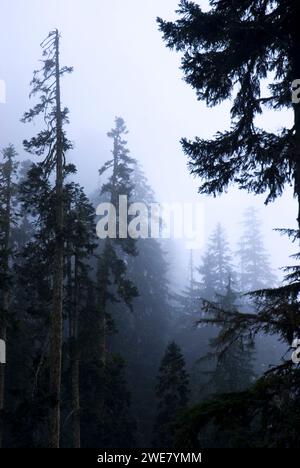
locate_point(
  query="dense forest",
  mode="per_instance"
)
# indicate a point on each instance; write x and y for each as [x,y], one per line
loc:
[100,346]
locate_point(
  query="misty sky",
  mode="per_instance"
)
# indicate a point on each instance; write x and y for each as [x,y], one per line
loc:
[122,67]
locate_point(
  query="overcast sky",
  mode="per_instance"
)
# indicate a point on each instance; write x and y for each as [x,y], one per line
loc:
[121,67]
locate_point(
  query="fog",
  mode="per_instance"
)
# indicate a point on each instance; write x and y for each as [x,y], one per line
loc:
[122,67]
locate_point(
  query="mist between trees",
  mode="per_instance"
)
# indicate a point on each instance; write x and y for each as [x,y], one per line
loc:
[99,347]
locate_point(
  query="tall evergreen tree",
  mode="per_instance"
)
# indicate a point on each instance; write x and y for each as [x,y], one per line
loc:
[53,144]
[255,271]
[228,52]
[216,265]
[33,302]
[192,339]
[138,339]
[113,282]
[214,271]
[32,306]
[108,422]
[172,393]
[80,244]
[233,371]
[189,301]
[113,287]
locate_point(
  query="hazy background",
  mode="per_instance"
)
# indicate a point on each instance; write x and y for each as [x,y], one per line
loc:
[122,67]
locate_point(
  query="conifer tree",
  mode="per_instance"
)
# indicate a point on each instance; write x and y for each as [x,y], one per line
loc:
[28,335]
[255,271]
[189,301]
[216,265]
[80,244]
[138,339]
[113,283]
[233,370]
[215,268]
[192,339]
[53,144]
[34,276]
[172,392]
[35,270]
[228,51]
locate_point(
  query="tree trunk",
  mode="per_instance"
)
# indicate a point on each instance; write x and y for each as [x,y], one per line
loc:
[56,319]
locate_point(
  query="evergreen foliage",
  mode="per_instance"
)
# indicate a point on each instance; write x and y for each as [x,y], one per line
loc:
[172,392]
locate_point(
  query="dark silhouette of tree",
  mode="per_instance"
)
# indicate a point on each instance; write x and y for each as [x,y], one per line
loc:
[33,308]
[233,371]
[227,52]
[172,392]
[80,244]
[189,301]
[33,303]
[138,339]
[113,283]
[216,264]
[255,271]
[113,286]
[52,144]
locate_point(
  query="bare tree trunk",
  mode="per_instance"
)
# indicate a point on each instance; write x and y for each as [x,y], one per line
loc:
[56,319]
